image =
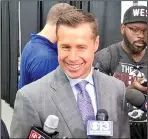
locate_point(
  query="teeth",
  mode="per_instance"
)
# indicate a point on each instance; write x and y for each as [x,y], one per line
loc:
[74,67]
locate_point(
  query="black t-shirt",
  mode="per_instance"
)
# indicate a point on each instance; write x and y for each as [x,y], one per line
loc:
[126,70]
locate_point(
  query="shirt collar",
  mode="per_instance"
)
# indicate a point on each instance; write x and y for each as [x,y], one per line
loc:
[89,78]
[44,39]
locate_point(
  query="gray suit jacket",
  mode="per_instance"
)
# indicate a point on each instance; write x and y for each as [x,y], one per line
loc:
[52,95]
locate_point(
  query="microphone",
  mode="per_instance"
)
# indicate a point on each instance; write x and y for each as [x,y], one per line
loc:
[136,98]
[51,124]
[101,126]
[48,131]
[102,115]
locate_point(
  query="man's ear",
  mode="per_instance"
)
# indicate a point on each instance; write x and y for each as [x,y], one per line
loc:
[122,28]
[96,44]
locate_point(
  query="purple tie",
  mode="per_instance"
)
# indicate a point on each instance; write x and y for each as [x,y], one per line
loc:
[84,103]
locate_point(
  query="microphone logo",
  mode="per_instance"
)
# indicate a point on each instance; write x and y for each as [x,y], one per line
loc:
[35,135]
[99,128]
[103,126]
[94,125]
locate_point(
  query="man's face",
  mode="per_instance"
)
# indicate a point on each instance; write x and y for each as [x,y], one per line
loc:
[135,36]
[76,47]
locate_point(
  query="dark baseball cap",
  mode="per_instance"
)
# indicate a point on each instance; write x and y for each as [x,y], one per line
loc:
[135,14]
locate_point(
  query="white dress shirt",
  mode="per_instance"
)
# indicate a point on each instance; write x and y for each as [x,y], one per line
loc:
[89,88]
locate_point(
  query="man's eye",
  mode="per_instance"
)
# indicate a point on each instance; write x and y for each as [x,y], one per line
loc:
[65,47]
[135,30]
[81,47]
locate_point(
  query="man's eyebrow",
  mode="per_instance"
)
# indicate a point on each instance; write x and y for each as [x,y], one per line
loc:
[64,45]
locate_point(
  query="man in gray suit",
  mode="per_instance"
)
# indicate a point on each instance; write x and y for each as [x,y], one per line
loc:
[75,90]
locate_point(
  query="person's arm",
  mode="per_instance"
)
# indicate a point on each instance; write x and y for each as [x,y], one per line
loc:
[24,116]
[42,67]
[102,61]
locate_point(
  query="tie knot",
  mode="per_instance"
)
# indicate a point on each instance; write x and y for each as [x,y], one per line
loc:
[81,85]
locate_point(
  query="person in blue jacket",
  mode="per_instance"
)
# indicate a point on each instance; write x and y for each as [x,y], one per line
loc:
[39,56]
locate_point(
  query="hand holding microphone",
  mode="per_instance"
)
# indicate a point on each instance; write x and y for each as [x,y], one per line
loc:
[139,84]
[144,82]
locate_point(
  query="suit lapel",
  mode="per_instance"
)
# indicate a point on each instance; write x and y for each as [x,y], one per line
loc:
[102,95]
[66,103]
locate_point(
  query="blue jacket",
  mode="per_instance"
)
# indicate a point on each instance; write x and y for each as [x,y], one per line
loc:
[39,57]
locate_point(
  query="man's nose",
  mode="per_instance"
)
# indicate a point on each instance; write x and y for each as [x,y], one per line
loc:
[141,35]
[73,55]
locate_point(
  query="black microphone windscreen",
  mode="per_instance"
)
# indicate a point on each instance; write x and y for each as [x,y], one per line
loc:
[135,97]
[102,115]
